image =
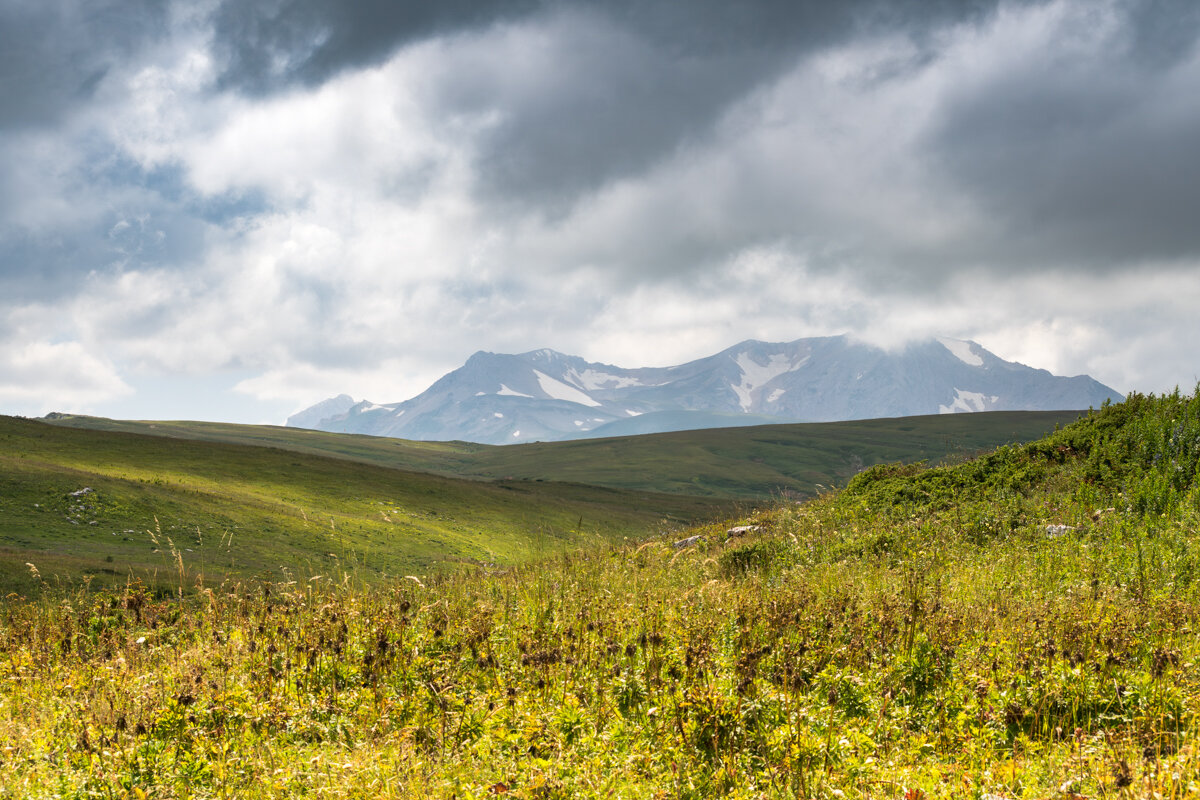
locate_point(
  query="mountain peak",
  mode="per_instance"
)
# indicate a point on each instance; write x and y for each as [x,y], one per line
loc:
[315,416]
[545,395]
[965,351]
[545,354]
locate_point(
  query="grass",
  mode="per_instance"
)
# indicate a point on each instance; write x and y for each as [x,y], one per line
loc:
[106,506]
[1018,625]
[757,463]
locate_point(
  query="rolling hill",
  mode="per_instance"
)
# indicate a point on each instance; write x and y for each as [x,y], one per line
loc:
[108,505]
[173,501]
[1020,624]
[750,463]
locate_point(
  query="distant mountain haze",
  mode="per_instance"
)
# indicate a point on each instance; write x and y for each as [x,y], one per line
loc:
[312,416]
[544,395]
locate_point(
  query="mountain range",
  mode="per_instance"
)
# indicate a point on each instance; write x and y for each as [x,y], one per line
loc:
[543,395]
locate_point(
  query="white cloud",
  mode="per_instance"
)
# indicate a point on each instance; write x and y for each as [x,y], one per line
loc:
[39,377]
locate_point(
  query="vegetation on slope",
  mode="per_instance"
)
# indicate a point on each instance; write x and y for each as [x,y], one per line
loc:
[1019,625]
[108,506]
[759,463]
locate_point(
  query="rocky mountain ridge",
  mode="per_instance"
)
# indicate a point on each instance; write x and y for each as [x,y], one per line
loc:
[544,395]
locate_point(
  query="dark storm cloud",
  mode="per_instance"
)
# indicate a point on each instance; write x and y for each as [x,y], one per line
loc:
[1085,158]
[1073,157]
[658,78]
[54,53]
[1162,32]
[268,44]
[271,44]
[628,83]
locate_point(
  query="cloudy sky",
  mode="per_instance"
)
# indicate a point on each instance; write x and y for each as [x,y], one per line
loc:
[231,209]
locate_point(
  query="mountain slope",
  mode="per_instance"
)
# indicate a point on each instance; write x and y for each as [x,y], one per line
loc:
[547,396]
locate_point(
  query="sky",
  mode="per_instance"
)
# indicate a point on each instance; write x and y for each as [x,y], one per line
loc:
[232,209]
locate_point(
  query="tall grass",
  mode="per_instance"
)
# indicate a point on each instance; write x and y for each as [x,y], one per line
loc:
[1020,625]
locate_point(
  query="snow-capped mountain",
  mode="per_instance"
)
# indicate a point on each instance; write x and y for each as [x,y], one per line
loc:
[545,396]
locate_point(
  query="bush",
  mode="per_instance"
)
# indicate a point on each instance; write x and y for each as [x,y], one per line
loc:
[764,555]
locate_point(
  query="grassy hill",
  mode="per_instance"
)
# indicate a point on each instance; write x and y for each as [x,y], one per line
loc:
[1019,625]
[105,505]
[755,463]
[169,501]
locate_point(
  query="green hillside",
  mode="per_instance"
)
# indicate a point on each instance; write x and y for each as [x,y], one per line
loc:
[1018,625]
[237,500]
[752,463]
[766,461]
[76,502]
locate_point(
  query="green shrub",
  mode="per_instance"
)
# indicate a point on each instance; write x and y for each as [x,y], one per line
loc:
[764,555]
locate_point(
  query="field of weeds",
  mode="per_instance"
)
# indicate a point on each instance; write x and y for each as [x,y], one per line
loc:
[1018,625]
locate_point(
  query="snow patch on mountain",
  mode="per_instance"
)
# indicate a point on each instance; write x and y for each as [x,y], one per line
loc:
[591,379]
[962,351]
[755,375]
[561,391]
[504,390]
[967,401]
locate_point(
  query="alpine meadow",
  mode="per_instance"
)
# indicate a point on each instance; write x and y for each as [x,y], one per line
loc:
[614,399]
[1016,624]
